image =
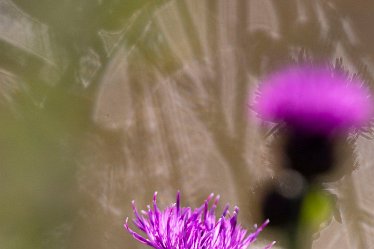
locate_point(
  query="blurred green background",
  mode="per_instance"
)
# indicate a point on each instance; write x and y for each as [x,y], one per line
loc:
[51,57]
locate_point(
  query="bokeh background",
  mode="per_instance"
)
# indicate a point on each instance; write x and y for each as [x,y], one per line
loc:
[106,101]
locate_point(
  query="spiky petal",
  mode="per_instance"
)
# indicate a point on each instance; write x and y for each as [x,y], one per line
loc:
[179,227]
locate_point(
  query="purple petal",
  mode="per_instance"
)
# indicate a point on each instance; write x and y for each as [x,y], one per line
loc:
[178,227]
[314,98]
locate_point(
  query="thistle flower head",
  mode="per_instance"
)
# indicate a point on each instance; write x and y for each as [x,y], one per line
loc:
[179,227]
[314,99]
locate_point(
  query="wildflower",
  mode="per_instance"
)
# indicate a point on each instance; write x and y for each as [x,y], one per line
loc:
[314,99]
[179,227]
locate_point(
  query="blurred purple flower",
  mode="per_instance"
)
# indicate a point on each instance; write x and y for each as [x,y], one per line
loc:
[179,227]
[315,99]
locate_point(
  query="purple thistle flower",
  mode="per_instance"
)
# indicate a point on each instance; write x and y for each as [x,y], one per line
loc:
[179,227]
[314,99]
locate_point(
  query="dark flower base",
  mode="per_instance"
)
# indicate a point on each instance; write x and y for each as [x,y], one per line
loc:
[281,210]
[283,199]
[309,154]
